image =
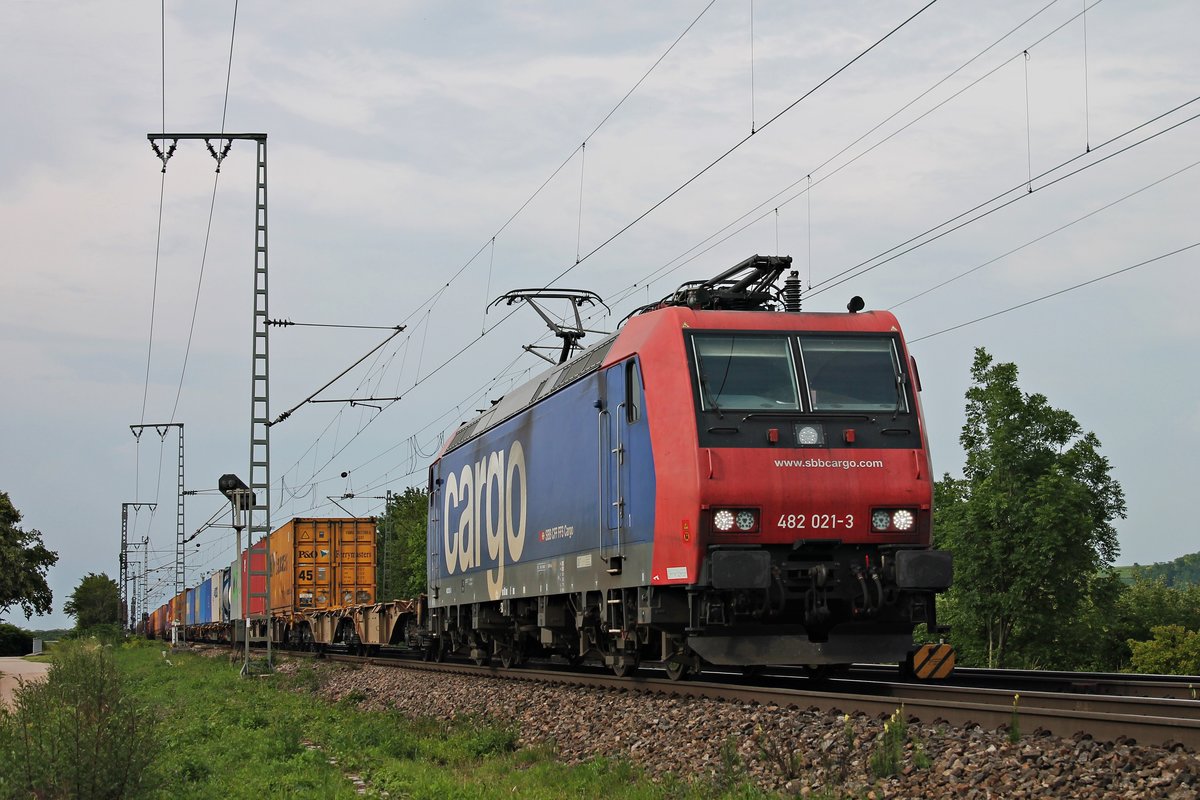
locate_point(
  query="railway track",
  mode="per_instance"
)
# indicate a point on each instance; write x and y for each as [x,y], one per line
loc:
[1165,721]
[1016,680]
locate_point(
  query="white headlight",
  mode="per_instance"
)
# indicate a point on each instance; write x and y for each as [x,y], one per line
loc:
[746,521]
[723,520]
[807,434]
[880,520]
[903,520]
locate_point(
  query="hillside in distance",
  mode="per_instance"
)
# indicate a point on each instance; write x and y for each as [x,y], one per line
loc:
[1182,571]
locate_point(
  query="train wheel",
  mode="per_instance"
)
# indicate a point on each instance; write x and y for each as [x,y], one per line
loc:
[676,670]
[479,653]
[624,665]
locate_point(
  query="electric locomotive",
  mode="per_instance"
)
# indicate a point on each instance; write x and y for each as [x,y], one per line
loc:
[725,481]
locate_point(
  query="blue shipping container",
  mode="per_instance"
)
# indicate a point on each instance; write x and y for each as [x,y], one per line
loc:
[204,603]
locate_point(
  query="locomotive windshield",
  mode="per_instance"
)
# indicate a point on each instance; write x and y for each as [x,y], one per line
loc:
[836,374]
[852,374]
[746,372]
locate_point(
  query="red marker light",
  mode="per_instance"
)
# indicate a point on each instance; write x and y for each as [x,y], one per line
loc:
[773,435]
[848,435]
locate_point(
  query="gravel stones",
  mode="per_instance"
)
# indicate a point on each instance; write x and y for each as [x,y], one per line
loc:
[799,753]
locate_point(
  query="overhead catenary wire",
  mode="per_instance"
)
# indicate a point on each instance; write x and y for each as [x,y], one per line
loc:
[1089,282]
[157,241]
[919,240]
[1046,235]
[1087,103]
[738,145]
[695,251]
[482,392]
[208,226]
[334,380]
[432,299]
[485,389]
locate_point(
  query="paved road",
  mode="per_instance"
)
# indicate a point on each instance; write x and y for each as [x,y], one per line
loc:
[13,668]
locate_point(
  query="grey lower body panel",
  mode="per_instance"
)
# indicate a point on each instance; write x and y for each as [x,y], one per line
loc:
[580,571]
[798,649]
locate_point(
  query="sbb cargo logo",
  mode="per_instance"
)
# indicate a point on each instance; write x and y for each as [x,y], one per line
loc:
[490,492]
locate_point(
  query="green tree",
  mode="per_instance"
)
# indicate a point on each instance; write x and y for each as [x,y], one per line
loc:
[1029,523]
[24,561]
[14,641]
[1173,650]
[402,544]
[95,601]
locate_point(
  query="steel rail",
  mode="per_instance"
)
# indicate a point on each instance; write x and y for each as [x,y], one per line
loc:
[1182,687]
[1157,721]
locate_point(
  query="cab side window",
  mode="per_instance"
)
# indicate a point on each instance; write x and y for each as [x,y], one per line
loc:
[633,391]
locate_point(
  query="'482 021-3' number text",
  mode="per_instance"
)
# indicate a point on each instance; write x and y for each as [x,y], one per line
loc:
[815,521]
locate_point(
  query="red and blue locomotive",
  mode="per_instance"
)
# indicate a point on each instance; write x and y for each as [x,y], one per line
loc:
[724,481]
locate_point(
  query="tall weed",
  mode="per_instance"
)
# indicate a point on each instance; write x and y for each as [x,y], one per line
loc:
[79,733]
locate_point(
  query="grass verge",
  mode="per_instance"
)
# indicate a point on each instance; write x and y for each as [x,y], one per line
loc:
[206,733]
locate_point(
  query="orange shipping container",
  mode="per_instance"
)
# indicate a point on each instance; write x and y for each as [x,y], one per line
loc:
[177,610]
[322,563]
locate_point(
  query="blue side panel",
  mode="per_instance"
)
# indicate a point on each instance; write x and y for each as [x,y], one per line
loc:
[204,603]
[530,490]
[190,618]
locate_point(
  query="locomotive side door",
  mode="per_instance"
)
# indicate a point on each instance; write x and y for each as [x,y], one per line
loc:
[434,531]
[621,388]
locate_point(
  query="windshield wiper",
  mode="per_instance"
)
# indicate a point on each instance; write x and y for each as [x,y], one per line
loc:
[705,397]
[899,396]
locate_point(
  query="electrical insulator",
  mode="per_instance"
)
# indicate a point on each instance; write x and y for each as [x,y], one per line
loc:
[791,292]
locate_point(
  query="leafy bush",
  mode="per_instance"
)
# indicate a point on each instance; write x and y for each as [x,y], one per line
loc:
[14,641]
[1174,650]
[107,633]
[79,733]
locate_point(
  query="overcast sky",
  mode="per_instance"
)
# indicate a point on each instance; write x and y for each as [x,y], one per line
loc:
[403,137]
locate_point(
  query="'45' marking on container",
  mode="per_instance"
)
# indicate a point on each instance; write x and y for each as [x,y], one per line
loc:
[489,492]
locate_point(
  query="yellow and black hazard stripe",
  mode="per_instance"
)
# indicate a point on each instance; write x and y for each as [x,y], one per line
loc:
[932,662]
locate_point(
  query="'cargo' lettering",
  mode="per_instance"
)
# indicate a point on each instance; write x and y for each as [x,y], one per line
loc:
[487,496]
